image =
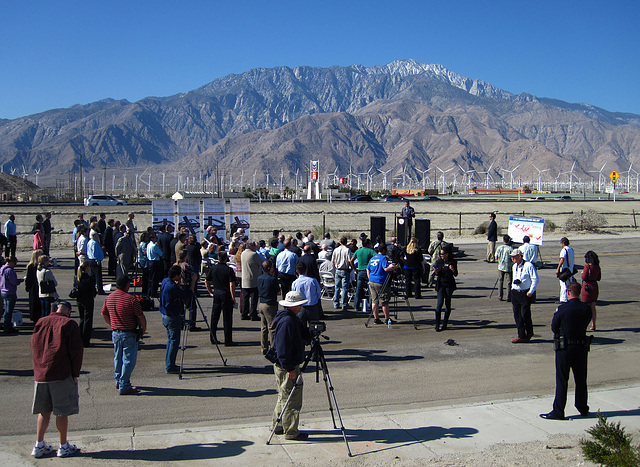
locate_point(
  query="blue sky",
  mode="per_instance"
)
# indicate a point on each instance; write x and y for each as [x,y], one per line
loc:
[57,54]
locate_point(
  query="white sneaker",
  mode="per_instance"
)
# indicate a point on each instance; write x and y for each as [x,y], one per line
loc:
[67,451]
[43,451]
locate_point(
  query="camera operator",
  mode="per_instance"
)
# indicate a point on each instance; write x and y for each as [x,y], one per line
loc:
[378,271]
[525,281]
[172,300]
[289,338]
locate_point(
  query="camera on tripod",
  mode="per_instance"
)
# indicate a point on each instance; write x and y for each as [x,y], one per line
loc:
[316,328]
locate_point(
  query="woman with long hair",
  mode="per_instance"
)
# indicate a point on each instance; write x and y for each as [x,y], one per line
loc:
[31,286]
[591,274]
[86,294]
[413,268]
[446,269]
[47,286]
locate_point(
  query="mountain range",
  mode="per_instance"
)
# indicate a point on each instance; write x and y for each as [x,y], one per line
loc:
[401,117]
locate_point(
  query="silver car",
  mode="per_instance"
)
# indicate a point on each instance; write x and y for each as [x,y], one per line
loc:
[103,200]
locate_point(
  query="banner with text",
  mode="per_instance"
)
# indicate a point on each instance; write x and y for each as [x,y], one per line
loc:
[163,212]
[213,214]
[239,215]
[519,227]
[189,215]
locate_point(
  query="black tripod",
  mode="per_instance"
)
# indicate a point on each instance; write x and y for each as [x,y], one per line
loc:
[394,285]
[317,355]
[186,325]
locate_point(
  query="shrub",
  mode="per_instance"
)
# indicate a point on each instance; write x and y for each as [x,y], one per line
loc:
[482,229]
[550,226]
[611,445]
[586,220]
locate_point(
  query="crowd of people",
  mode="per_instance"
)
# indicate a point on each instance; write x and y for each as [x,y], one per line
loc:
[167,265]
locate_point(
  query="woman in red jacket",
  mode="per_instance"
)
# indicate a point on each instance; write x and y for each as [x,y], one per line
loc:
[590,278]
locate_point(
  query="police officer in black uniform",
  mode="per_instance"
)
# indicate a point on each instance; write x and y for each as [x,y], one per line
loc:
[569,327]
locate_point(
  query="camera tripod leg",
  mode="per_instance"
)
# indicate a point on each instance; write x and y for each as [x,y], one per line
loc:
[183,345]
[494,285]
[204,316]
[322,362]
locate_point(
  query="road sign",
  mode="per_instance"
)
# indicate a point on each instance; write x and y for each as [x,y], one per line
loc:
[614,176]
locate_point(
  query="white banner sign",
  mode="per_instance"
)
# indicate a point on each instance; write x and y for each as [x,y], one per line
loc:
[163,212]
[519,227]
[213,215]
[239,215]
[189,215]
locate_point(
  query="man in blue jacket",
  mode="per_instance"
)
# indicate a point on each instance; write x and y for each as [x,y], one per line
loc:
[289,345]
[172,300]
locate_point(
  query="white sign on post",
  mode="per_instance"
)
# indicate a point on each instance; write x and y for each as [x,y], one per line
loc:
[519,227]
[213,215]
[163,213]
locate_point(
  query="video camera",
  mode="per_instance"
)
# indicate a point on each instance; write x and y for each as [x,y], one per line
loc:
[316,328]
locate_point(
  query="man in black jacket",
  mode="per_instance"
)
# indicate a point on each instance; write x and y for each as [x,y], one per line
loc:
[164,242]
[569,326]
[289,345]
[492,238]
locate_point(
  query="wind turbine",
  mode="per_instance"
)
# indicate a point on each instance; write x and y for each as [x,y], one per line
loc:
[385,173]
[511,173]
[443,178]
[540,176]
[424,180]
[37,171]
[13,170]
[467,175]
[24,173]
[488,174]
[600,176]
[571,175]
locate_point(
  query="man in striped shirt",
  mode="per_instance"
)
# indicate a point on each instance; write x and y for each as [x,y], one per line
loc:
[123,313]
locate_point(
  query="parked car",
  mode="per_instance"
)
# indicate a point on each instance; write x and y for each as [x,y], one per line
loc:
[536,198]
[392,198]
[103,200]
[431,198]
[563,198]
[360,198]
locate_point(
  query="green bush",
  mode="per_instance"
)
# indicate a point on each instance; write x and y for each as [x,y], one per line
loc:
[586,220]
[482,229]
[611,445]
[550,226]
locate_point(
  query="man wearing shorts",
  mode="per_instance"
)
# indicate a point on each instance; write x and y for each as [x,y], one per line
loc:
[378,270]
[57,358]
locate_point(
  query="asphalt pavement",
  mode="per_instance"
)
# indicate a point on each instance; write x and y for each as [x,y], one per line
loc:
[405,397]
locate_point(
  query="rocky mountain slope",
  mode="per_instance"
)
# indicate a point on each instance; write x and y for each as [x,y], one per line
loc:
[351,118]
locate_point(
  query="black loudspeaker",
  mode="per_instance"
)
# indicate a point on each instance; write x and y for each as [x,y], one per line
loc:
[401,230]
[378,229]
[422,231]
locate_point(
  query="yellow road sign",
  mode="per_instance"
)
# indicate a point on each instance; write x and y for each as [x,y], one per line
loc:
[614,176]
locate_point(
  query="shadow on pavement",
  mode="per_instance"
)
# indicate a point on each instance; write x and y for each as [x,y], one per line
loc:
[366,355]
[397,436]
[220,392]
[185,452]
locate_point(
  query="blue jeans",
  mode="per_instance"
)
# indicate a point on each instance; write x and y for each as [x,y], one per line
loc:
[342,283]
[126,354]
[174,326]
[361,289]
[9,304]
[45,306]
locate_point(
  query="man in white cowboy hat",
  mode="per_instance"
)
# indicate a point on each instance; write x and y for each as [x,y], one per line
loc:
[289,344]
